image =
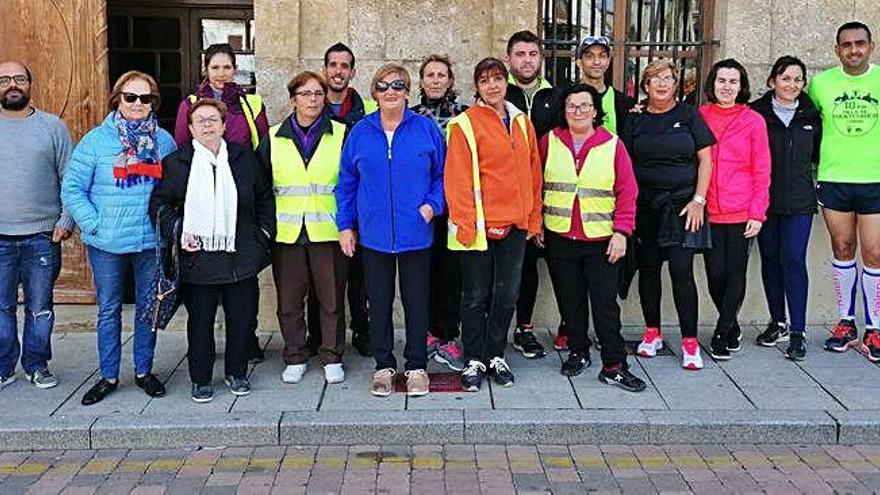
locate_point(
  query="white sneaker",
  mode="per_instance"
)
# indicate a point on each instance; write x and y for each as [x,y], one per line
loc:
[652,342]
[293,373]
[334,373]
[690,354]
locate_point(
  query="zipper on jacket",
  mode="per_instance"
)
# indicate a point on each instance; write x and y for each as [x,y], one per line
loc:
[391,194]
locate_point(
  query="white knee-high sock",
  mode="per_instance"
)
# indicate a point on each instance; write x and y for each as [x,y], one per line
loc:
[871,296]
[846,277]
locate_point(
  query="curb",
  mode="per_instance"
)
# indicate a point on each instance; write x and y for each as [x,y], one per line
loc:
[526,426]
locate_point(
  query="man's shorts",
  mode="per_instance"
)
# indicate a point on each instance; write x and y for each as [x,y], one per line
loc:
[864,199]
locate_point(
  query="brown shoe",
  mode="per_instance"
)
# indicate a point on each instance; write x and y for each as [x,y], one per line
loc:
[417,382]
[383,383]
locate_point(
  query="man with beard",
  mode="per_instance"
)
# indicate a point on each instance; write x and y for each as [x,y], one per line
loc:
[532,94]
[346,105]
[33,154]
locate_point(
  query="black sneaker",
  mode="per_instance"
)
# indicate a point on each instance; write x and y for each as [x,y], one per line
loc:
[719,349]
[797,349]
[151,385]
[360,339]
[472,376]
[575,364]
[500,371]
[775,333]
[871,344]
[843,336]
[238,386]
[734,337]
[526,343]
[202,393]
[622,378]
[99,391]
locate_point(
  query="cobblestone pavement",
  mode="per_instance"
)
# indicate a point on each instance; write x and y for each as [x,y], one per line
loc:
[465,469]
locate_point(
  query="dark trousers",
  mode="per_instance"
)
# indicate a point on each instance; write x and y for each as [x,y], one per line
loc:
[295,268]
[490,280]
[357,302]
[581,274]
[528,287]
[726,265]
[381,270]
[681,271]
[783,244]
[444,313]
[201,306]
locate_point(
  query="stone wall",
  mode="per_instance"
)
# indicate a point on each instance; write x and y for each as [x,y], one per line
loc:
[293,35]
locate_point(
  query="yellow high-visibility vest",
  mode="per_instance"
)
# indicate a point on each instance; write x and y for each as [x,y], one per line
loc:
[481,243]
[304,196]
[610,123]
[594,188]
[252,106]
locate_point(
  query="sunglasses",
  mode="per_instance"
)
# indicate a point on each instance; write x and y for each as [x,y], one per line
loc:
[146,99]
[396,85]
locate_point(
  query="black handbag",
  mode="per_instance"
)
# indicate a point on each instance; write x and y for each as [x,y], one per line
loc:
[164,294]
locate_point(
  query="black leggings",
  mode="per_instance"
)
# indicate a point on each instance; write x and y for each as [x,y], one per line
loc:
[681,271]
[726,265]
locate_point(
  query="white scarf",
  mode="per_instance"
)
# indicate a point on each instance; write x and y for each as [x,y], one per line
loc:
[211,206]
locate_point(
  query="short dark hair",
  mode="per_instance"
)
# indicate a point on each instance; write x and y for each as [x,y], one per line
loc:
[219,49]
[522,37]
[852,25]
[573,90]
[744,92]
[338,47]
[784,62]
[488,65]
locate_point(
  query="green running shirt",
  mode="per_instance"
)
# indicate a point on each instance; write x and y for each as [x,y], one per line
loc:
[850,107]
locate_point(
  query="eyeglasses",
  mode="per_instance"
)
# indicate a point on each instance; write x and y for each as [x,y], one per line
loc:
[146,99]
[396,85]
[582,108]
[310,94]
[208,121]
[20,80]
[664,79]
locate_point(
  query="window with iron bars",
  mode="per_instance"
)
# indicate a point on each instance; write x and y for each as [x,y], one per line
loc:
[641,31]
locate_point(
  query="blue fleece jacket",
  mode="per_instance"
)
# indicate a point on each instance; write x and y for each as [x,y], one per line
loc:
[381,187]
[111,218]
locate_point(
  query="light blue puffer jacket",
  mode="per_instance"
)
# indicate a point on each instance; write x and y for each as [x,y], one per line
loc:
[111,218]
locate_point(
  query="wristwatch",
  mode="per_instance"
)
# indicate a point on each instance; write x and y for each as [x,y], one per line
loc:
[699,199]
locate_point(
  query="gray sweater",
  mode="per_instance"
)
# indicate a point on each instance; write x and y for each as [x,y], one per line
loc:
[33,155]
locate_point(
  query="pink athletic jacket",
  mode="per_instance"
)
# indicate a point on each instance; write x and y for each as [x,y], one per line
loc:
[740,187]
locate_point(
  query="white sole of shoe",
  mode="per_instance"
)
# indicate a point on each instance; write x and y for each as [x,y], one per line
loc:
[42,386]
[202,401]
[376,393]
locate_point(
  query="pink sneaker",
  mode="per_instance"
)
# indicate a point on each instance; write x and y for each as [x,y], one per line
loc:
[690,354]
[651,342]
[450,355]
[433,344]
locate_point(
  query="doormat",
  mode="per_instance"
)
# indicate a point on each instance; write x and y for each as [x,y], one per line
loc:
[449,381]
[632,345]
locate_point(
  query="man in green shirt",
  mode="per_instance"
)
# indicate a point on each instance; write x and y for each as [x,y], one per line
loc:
[849,182]
[593,60]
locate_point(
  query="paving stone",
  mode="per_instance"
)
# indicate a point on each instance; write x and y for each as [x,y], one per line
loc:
[554,426]
[184,430]
[358,427]
[39,432]
[742,426]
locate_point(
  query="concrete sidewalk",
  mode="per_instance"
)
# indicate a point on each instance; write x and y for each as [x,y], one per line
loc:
[757,397]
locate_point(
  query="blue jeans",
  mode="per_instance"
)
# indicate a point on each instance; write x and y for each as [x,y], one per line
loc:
[35,261]
[783,242]
[110,270]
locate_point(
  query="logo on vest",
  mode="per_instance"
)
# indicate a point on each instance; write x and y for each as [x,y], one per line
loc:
[855,114]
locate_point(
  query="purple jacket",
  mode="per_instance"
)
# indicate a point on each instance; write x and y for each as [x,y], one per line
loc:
[237,129]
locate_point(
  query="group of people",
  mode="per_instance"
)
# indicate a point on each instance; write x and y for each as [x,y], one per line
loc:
[455,203]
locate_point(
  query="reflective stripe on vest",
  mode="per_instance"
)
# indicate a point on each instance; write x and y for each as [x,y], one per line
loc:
[304,196]
[480,243]
[594,188]
[252,105]
[608,107]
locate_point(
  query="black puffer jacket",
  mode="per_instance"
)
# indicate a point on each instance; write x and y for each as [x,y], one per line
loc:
[543,112]
[794,151]
[255,221]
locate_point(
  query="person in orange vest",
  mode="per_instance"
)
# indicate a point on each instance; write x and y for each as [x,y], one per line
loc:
[493,190]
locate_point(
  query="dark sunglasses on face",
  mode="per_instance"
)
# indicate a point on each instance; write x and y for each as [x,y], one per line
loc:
[396,85]
[146,99]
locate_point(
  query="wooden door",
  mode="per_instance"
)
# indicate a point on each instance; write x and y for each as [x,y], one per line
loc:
[63,42]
